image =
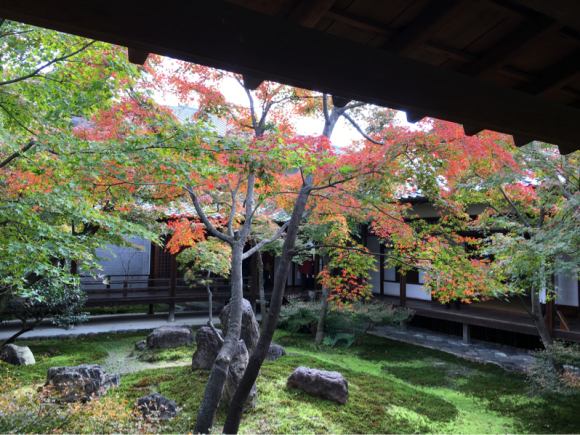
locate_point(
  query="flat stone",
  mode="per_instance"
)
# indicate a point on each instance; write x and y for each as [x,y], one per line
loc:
[80,383]
[170,337]
[141,345]
[157,406]
[330,385]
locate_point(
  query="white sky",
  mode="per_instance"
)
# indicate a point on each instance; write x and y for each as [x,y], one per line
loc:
[343,133]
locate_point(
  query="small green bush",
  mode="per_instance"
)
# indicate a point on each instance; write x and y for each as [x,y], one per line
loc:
[545,380]
[356,320]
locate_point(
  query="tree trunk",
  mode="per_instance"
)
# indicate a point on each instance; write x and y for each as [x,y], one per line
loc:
[257,358]
[263,309]
[323,311]
[210,295]
[24,330]
[5,299]
[219,370]
[543,328]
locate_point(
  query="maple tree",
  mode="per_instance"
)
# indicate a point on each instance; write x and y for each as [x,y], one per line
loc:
[79,133]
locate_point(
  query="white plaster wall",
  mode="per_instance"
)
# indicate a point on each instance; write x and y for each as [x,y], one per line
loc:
[392,288]
[123,261]
[417,291]
[567,290]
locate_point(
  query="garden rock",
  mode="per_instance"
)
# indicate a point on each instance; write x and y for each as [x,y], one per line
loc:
[250,328]
[141,345]
[158,406]
[275,352]
[17,355]
[81,383]
[170,337]
[208,346]
[330,385]
[235,373]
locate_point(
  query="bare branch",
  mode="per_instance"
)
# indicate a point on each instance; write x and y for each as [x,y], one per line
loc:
[276,236]
[58,59]
[360,130]
[17,154]
[514,207]
[204,219]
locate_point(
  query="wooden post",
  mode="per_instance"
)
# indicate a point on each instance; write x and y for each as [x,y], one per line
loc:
[382,269]
[125,288]
[150,310]
[173,288]
[550,318]
[466,333]
[403,290]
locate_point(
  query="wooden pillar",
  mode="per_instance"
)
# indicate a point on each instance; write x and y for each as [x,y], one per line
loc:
[382,269]
[550,316]
[403,290]
[150,310]
[466,333]
[173,288]
[255,274]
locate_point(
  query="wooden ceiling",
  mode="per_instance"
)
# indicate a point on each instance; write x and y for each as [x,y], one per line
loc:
[507,65]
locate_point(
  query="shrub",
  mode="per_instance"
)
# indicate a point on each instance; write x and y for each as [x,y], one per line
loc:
[356,319]
[362,316]
[298,315]
[544,379]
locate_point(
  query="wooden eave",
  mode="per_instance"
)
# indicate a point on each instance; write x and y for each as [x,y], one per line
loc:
[511,66]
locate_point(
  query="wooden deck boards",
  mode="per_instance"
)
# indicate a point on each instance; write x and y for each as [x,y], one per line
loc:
[473,314]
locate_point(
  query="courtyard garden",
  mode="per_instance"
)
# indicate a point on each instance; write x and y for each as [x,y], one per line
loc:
[394,387]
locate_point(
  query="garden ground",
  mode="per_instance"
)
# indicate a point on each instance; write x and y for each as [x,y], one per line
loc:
[394,387]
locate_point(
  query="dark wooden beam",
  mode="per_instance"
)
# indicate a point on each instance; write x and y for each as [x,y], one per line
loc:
[309,12]
[339,101]
[472,130]
[413,116]
[363,23]
[138,57]
[514,44]
[564,11]
[223,35]
[429,20]
[556,76]
[252,83]
[520,141]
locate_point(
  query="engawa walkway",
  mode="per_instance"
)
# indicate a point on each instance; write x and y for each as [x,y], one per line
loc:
[116,323]
[507,357]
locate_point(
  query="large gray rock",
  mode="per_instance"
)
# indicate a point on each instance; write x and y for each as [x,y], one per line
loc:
[235,373]
[275,352]
[250,328]
[17,355]
[81,383]
[330,385]
[208,346]
[170,337]
[157,406]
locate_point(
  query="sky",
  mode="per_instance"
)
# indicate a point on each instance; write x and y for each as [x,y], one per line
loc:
[343,133]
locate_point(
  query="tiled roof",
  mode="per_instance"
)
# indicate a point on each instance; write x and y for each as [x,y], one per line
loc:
[184,114]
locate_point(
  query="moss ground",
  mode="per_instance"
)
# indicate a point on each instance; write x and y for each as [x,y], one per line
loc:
[394,388]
